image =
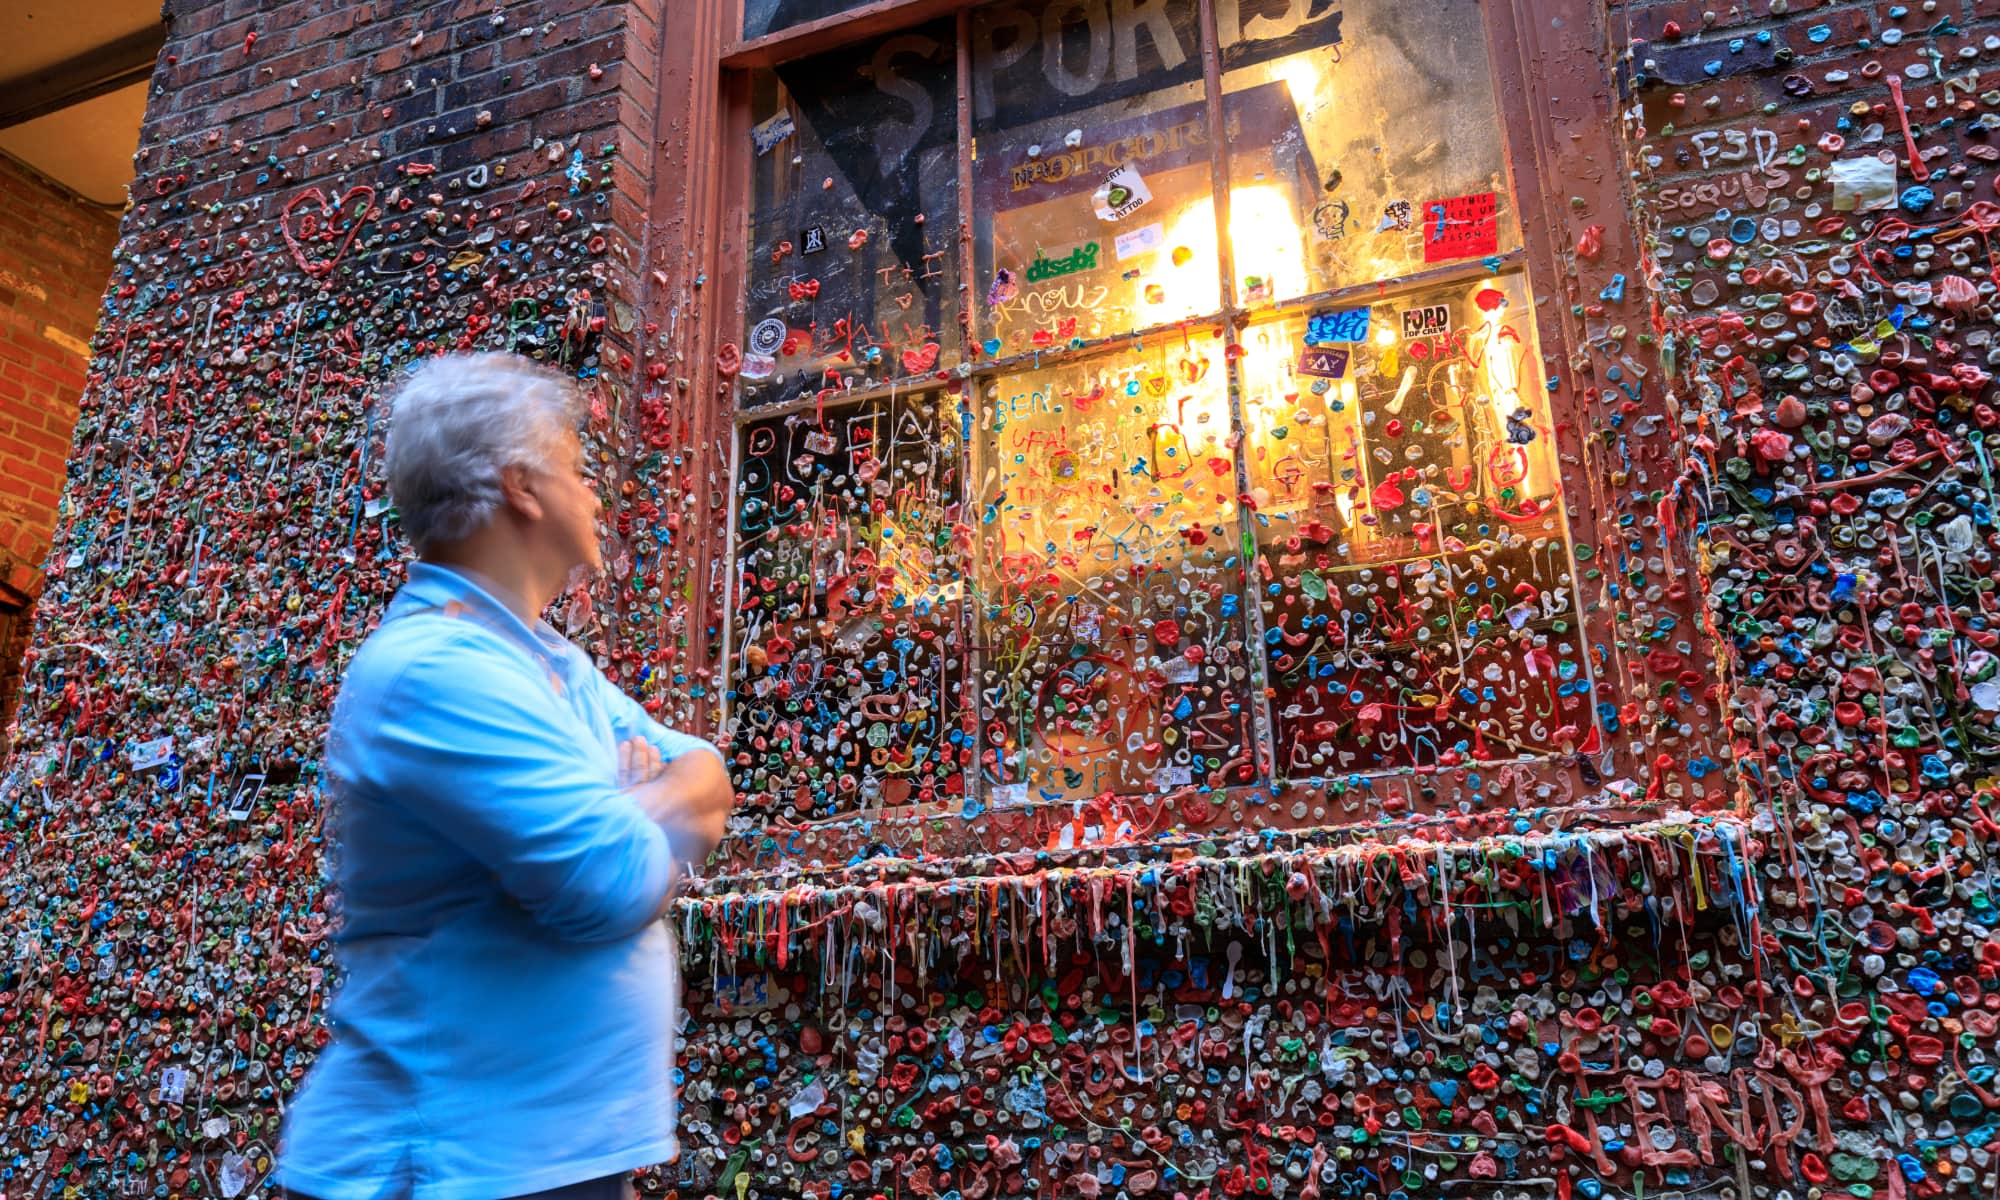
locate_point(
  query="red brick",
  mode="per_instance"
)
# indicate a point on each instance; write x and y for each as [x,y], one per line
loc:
[32,478]
[62,246]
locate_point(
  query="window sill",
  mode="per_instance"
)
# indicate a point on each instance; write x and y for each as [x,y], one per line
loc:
[1589,869]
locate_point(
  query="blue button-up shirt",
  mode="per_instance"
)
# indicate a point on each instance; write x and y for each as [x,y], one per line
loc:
[507,1019]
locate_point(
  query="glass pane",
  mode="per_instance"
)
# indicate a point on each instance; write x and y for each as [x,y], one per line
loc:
[1374,153]
[1112,643]
[1092,209]
[853,218]
[846,656]
[1419,603]
[769,16]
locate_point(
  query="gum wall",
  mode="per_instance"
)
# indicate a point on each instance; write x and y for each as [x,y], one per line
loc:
[1730,937]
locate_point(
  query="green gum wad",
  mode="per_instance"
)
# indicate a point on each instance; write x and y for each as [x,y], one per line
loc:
[1852,1167]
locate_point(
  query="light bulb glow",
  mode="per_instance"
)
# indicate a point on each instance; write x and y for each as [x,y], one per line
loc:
[1265,241]
[1267,244]
[1301,80]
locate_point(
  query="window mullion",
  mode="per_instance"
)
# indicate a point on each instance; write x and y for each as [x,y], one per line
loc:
[1034,360]
[732,578]
[967,292]
[1252,608]
[1232,319]
[971,661]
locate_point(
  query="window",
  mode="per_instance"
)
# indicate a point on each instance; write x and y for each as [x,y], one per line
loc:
[853,277]
[1420,608]
[773,16]
[1112,631]
[851,577]
[1135,408]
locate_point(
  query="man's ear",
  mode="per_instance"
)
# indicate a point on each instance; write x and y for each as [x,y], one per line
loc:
[517,489]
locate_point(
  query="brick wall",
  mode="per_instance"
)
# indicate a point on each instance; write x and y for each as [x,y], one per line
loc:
[322,195]
[55,250]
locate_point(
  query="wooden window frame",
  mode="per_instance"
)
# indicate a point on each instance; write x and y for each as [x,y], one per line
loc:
[1551,69]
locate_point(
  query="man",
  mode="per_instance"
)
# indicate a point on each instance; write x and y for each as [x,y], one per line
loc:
[509,829]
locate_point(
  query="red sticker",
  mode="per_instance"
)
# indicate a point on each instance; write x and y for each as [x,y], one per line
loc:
[1461,227]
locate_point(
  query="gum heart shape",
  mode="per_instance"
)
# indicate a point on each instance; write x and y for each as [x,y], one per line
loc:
[991,346]
[1446,1090]
[923,358]
[318,233]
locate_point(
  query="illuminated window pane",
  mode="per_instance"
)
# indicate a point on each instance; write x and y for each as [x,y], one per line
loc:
[1403,540]
[846,659]
[1370,146]
[1111,630]
[1091,196]
[1419,602]
[853,218]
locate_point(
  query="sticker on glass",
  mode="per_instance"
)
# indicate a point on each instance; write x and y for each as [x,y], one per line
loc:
[1461,227]
[767,335]
[1395,215]
[1341,325]
[768,133]
[1323,362]
[1083,258]
[1144,240]
[1122,193]
[1428,321]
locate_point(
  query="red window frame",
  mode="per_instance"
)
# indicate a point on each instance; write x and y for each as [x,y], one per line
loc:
[1622,484]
